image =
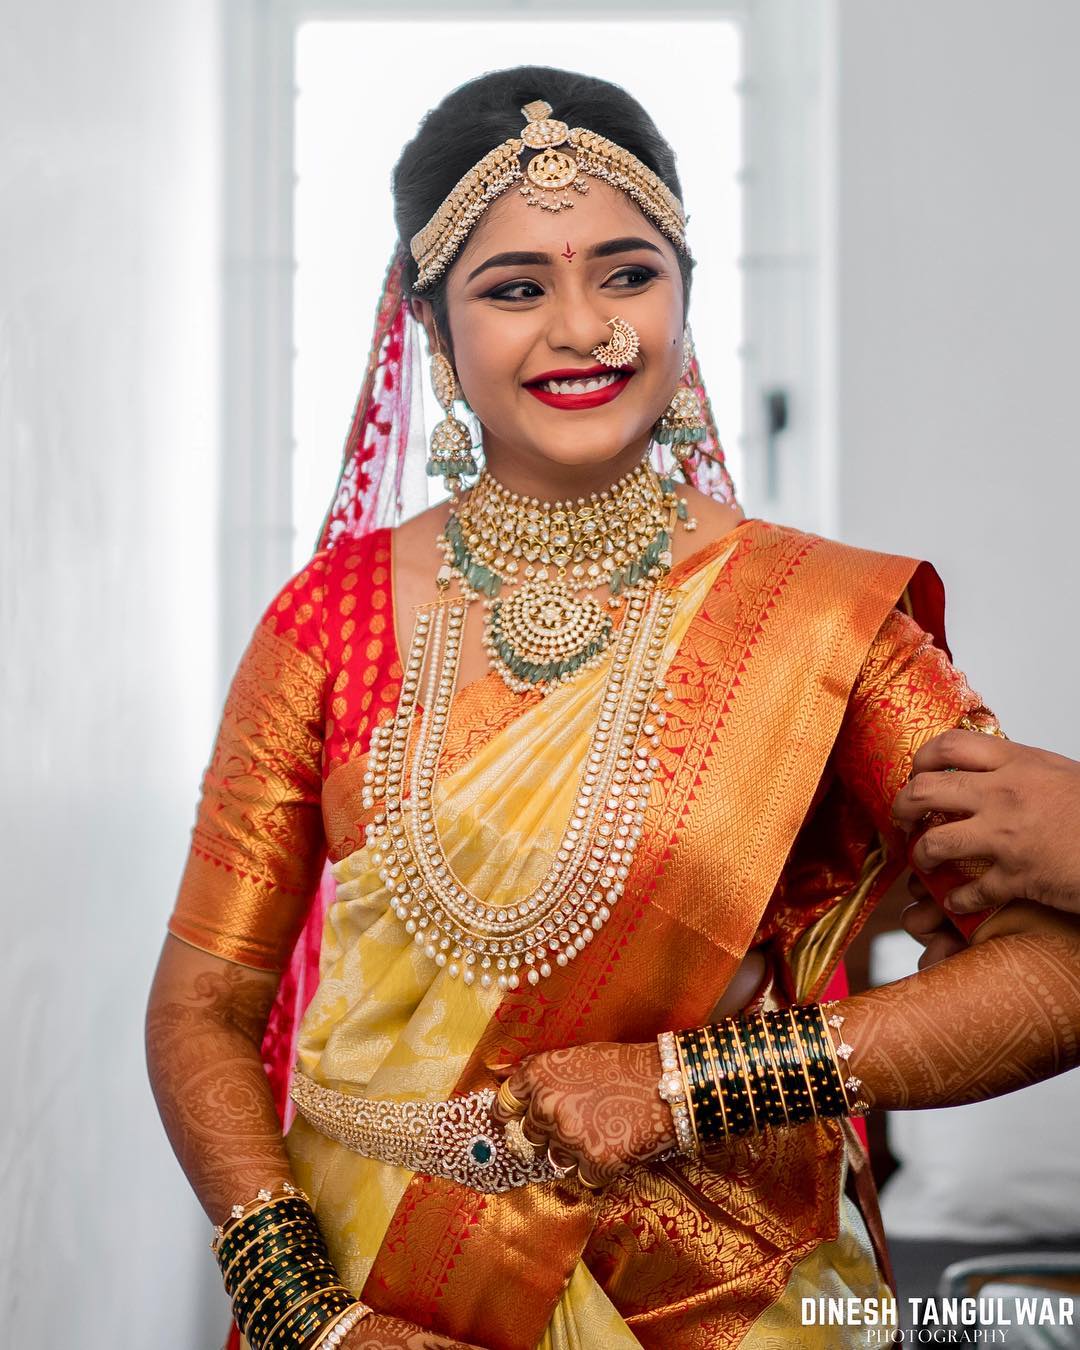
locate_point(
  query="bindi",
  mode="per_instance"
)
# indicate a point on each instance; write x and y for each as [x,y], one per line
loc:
[568,253]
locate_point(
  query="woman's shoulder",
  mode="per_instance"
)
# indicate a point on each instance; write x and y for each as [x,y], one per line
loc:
[336,589]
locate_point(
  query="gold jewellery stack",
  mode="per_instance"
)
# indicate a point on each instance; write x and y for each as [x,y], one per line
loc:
[755,1072]
[541,633]
[539,636]
[285,1293]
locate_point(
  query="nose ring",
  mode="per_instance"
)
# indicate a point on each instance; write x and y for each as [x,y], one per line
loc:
[622,348]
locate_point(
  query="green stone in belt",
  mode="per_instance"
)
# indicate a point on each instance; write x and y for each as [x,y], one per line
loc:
[481,1151]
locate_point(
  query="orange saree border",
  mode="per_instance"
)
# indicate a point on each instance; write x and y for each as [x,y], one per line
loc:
[761,682]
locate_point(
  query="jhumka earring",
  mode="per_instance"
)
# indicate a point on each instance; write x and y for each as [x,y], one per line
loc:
[623,346]
[451,454]
[682,423]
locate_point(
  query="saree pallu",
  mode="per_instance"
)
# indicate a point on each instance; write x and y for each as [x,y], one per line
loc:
[800,695]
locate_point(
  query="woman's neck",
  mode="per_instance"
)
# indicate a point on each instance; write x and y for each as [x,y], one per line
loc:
[550,480]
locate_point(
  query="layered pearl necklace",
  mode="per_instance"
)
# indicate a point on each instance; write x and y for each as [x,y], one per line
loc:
[528,936]
[554,921]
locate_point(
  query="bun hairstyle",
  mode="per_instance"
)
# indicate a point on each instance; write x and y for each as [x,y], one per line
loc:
[479,115]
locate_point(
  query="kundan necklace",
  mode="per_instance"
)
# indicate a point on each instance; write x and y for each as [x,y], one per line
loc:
[540,637]
[528,559]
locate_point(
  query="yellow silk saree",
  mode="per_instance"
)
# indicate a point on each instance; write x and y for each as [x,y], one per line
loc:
[801,692]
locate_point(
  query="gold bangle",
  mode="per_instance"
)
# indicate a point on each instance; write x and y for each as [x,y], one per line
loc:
[335,1332]
[849,1082]
[295,1308]
[508,1101]
[238,1214]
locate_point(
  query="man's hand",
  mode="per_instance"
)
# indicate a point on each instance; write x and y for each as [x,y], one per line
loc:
[925,922]
[1019,807]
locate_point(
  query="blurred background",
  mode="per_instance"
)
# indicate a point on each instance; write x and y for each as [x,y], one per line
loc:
[194,223]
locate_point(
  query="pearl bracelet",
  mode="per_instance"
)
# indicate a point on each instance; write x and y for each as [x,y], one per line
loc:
[337,1331]
[672,1089]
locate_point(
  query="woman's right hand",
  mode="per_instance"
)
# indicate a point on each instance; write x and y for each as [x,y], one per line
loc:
[377,1332]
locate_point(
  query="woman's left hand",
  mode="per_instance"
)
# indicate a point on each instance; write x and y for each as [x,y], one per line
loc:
[595,1107]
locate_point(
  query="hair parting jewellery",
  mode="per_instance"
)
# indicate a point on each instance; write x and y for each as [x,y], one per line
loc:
[561,155]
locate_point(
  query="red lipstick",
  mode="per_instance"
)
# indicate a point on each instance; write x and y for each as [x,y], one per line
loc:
[571,402]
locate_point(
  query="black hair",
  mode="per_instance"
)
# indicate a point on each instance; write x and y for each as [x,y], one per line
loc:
[479,115]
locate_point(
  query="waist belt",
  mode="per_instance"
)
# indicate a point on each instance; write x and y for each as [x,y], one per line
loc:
[456,1139]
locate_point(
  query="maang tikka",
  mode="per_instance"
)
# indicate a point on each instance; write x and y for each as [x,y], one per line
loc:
[682,423]
[451,453]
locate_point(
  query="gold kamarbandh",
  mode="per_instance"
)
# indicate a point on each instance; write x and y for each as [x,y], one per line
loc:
[548,179]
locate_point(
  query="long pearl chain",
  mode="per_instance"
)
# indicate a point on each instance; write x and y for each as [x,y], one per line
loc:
[460,931]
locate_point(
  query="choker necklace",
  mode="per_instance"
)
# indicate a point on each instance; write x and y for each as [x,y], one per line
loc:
[528,559]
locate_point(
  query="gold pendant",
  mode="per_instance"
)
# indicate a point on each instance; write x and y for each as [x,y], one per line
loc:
[543,634]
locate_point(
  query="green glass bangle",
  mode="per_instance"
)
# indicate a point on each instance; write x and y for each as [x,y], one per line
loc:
[708,1101]
[309,1316]
[764,1085]
[827,1069]
[273,1272]
[291,1234]
[797,1050]
[274,1306]
[306,1248]
[697,1077]
[718,1080]
[825,1085]
[796,1082]
[737,1102]
[270,1216]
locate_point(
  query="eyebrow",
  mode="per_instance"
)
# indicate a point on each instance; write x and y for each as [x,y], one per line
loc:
[626,244]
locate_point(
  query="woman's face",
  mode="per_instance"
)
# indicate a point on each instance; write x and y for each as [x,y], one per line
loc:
[528,299]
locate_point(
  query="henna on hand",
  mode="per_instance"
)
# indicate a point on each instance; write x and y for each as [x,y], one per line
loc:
[995,1017]
[596,1105]
[204,1026]
[377,1332]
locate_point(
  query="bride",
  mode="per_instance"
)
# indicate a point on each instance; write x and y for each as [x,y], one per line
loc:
[538,824]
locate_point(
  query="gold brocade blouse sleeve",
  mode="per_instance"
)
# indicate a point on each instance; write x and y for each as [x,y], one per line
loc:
[257,848]
[908,692]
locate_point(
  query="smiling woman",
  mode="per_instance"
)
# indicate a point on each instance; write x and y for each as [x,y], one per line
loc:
[605,800]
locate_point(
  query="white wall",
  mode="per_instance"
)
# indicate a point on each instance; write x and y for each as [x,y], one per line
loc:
[959,291]
[109,315]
